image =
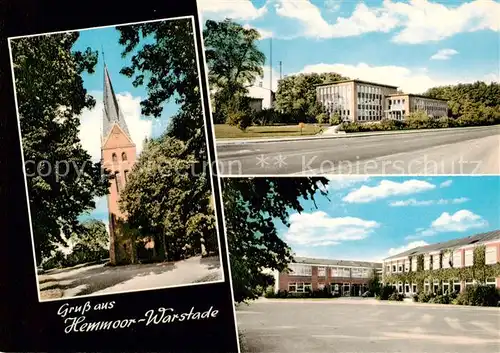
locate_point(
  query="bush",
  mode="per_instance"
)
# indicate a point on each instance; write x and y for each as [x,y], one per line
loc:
[479,295]
[440,299]
[396,297]
[240,119]
[425,297]
[385,292]
[415,297]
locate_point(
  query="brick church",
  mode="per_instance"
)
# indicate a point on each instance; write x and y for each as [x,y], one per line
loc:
[118,155]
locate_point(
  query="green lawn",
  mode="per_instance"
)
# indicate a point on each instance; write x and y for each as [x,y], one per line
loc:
[224,131]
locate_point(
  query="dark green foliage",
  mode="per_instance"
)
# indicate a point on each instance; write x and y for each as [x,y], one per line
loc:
[234,62]
[296,94]
[50,97]
[252,208]
[168,195]
[479,295]
[385,292]
[462,97]
[164,200]
[396,297]
[90,244]
[374,284]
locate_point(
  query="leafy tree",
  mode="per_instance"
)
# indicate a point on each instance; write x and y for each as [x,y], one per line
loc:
[162,200]
[234,62]
[167,67]
[297,93]
[374,283]
[62,180]
[252,206]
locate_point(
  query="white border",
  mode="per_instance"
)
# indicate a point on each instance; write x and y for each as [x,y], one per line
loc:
[221,268]
[218,177]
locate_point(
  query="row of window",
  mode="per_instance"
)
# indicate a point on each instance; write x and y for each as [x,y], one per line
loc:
[445,287]
[369,107]
[448,260]
[306,271]
[114,157]
[299,287]
[365,89]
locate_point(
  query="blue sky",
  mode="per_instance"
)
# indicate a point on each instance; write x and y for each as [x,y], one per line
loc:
[413,44]
[369,218]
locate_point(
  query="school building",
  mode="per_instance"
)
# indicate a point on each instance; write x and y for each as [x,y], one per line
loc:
[348,278]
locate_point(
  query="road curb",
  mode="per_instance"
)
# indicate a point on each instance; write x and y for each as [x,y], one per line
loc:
[227,142]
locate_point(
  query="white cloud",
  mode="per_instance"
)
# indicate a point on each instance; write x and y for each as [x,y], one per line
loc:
[410,80]
[414,202]
[444,54]
[339,182]
[319,229]
[387,188]
[362,20]
[409,246]
[446,183]
[234,9]
[425,21]
[461,221]
[91,123]
[264,33]
[416,22]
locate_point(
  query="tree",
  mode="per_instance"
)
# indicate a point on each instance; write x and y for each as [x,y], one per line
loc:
[167,202]
[167,66]
[252,207]
[234,62]
[374,283]
[62,179]
[90,244]
[297,93]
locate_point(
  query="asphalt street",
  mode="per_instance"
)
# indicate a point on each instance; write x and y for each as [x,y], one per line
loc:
[449,151]
[366,326]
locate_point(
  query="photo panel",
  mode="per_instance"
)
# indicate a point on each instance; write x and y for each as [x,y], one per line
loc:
[123,247]
[327,93]
[315,252]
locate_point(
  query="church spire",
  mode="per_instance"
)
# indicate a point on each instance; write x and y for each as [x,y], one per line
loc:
[112,113]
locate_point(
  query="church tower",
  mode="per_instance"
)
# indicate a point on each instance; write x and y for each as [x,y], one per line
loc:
[118,153]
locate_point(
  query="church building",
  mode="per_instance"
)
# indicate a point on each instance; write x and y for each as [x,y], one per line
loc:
[118,153]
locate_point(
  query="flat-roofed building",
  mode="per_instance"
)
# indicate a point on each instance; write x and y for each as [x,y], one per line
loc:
[400,105]
[348,278]
[456,253]
[355,100]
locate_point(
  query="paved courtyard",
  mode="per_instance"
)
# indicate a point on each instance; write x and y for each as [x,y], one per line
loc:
[366,326]
[100,279]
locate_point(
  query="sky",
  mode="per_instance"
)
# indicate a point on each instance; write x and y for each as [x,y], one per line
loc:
[413,44]
[370,218]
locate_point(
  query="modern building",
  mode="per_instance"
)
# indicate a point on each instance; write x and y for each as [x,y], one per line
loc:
[348,278]
[363,101]
[457,253]
[400,105]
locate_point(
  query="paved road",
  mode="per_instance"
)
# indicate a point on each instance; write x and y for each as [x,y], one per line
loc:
[100,279]
[348,326]
[450,151]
